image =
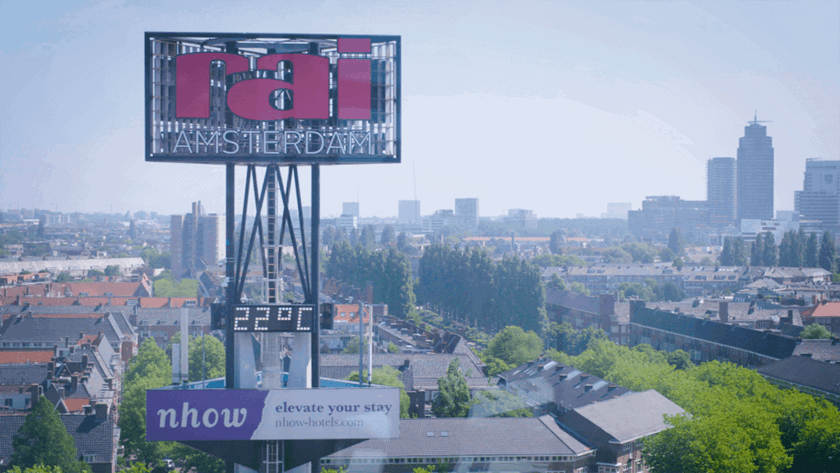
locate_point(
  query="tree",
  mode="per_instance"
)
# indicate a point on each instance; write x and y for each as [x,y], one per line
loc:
[148,370]
[387,376]
[195,459]
[757,251]
[557,283]
[40,232]
[555,243]
[812,252]
[678,263]
[453,397]
[352,346]
[500,403]
[392,348]
[679,359]
[388,235]
[815,331]
[402,242]
[208,364]
[726,258]
[675,242]
[43,440]
[112,270]
[64,276]
[769,256]
[828,256]
[579,288]
[515,346]
[368,236]
[672,292]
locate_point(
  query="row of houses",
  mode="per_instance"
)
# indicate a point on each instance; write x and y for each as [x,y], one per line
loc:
[696,281]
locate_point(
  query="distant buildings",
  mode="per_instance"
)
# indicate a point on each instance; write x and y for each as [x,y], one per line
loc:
[755,173]
[521,218]
[659,214]
[819,198]
[350,208]
[721,191]
[197,240]
[467,212]
[617,210]
[409,212]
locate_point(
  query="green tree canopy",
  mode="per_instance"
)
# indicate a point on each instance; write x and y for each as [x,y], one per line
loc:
[515,346]
[387,376]
[555,242]
[488,403]
[453,397]
[43,440]
[150,369]
[828,255]
[388,235]
[815,331]
[675,242]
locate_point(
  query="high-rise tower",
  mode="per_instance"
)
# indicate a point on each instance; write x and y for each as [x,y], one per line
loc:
[755,173]
[819,198]
[721,191]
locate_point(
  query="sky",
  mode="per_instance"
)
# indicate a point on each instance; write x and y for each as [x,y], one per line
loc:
[559,107]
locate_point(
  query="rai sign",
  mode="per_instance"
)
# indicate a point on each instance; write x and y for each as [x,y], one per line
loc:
[281,414]
[272,99]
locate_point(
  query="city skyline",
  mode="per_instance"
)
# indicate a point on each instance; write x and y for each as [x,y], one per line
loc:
[624,101]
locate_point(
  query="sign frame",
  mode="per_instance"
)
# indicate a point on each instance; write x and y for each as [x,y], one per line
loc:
[276,414]
[284,141]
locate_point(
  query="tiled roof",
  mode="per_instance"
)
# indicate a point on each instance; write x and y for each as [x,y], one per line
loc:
[820,350]
[825,309]
[470,436]
[24,356]
[50,330]
[544,381]
[572,300]
[341,313]
[632,416]
[76,405]
[23,374]
[767,344]
[805,372]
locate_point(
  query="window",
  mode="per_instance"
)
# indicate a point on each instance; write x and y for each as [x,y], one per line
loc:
[89,458]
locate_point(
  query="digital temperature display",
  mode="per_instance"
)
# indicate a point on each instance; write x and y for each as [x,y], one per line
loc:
[273,318]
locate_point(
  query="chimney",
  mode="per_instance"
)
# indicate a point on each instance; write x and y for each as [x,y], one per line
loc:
[369,292]
[587,388]
[84,362]
[74,382]
[35,393]
[101,411]
[559,368]
[724,311]
[790,316]
[606,304]
[66,342]
[81,335]
[51,370]
[635,305]
[406,364]
[611,388]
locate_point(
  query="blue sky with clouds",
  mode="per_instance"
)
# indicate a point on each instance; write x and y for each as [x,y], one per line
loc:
[558,107]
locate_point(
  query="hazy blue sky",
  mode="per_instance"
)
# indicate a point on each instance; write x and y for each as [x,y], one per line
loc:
[558,107]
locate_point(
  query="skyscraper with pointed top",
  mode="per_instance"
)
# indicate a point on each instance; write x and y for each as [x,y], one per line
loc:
[755,172]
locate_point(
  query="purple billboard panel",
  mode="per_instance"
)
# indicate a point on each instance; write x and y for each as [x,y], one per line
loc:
[272,99]
[284,414]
